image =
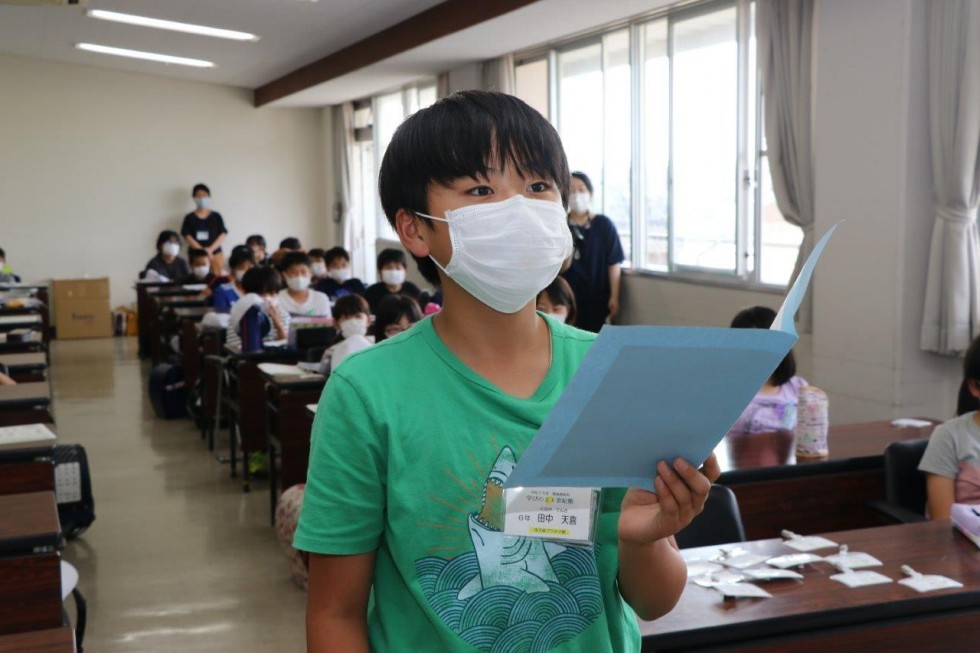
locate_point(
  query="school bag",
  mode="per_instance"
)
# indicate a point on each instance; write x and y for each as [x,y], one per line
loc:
[73,489]
[168,395]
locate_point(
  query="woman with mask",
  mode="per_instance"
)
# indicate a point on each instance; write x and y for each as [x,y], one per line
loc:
[596,263]
[205,229]
[167,263]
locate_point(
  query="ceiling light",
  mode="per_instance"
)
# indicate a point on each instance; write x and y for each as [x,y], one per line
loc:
[174,26]
[148,56]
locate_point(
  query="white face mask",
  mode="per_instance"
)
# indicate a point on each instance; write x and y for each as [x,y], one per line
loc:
[318,269]
[202,202]
[393,277]
[298,283]
[201,271]
[340,275]
[239,275]
[561,317]
[578,202]
[505,253]
[354,326]
[171,249]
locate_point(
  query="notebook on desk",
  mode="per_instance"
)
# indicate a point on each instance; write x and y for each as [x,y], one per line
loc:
[22,436]
[966,519]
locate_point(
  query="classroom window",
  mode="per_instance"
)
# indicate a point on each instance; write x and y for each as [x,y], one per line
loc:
[665,115]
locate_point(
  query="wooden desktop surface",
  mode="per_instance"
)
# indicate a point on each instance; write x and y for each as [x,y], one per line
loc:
[24,394]
[53,640]
[28,515]
[818,614]
[24,361]
[27,467]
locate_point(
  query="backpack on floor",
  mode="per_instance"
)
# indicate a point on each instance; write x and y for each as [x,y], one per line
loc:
[73,489]
[168,395]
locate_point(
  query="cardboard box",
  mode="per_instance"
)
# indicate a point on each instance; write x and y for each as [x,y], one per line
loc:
[81,308]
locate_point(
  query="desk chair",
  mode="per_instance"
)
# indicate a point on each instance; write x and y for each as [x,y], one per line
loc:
[719,523]
[905,485]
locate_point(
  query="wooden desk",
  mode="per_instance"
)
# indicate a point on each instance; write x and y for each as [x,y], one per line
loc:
[26,368]
[818,614]
[38,291]
[288,430]
[21,347]
[19,319]
[55,640]
[166,322]
[25,403]
[27,467]
[144,308]
[30,536]
[809,495]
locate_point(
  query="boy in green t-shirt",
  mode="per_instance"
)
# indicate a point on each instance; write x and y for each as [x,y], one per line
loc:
[415,436]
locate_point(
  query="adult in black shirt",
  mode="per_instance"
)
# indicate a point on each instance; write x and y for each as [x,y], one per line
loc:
[205,229]
[392,267]
[596,263]
[168,263]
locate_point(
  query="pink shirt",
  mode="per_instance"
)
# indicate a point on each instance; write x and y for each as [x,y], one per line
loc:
[767,413]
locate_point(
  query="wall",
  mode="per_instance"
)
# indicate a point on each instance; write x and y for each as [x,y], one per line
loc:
[95,163]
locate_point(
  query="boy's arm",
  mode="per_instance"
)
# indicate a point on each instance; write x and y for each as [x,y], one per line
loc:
[615,275]
[652,573]
[941,493]
[336,606]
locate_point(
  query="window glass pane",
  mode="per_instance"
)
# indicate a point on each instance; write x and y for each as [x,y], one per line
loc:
[617,157]
[427,96]
[389,113]
[656,141]
[780,239]
[580,117]
[531,84]
[705,140]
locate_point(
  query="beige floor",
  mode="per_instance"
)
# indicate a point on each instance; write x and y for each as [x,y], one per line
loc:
[178,558]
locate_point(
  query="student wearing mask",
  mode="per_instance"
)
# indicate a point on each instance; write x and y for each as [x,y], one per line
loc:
[396,313]
[558,301]
[340,280]
[258,315]
[297,298]
[453,403]
[286,245]
[257,243]
[595,271]
[392,267]
[225,295]
[351,319]
[318,265]
[200,268]
[204,228]
[167,263]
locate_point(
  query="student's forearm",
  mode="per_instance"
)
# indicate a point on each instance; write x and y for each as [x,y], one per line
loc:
[328,634]
[280,329]
[217,243]
[651,577]
[615,275]
[192,243]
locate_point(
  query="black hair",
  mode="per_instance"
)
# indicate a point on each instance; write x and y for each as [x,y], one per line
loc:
[294,258]
[194,253]
[317,252]
[762,317]
[3,254]
[464,135]
[560,294]
[335,253]
[165,237]
[966,402]
[262,280]
[198,187]
[349,305]
[391,255]
[255,239]
[239,255]
[584,178]
[392,309]
[290,243]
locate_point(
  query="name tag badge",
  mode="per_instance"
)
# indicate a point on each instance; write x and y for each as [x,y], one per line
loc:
[202,235]
[553,513]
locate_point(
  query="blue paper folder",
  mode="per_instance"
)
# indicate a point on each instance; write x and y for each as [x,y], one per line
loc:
[644,394]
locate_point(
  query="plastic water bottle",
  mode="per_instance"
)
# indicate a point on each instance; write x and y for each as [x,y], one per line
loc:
[812,423]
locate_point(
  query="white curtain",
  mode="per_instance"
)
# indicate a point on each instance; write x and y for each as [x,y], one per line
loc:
[784,30]
[498,74]
[952,303]
[343,156]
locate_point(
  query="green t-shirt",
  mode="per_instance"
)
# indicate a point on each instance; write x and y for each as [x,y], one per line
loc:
[410,448]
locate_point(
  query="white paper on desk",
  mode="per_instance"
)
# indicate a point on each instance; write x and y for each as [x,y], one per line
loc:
[30,318]
[929,583]
[861,578]
[25,433]
[644,394]
[280,370]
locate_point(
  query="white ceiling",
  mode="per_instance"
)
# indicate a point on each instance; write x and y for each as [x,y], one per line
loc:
[294,33]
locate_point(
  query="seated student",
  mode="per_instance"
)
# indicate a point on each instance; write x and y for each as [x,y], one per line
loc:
[774,407]
[558,301]
[200,262]
[351,318]
[339,281]
[240,262]
[258,314]
[952,457]
[318,264]
[286,245]
[453,403]
[392,266]
[396,313]
[6,274]
[297,298]
[167,263]
[257,243]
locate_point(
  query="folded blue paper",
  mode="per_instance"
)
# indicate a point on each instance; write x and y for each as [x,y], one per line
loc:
[644,394]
